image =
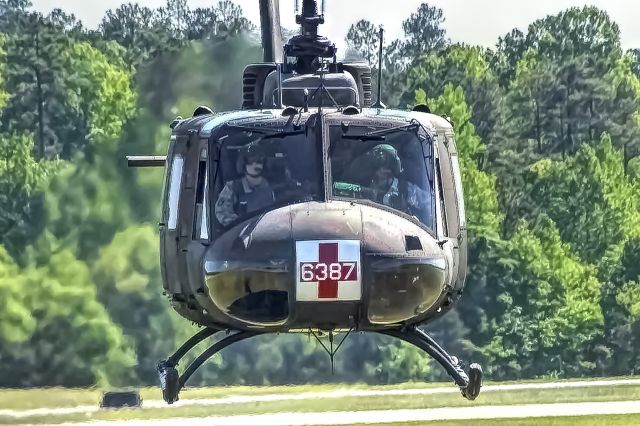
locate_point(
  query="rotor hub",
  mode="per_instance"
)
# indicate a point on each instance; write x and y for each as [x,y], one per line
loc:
[309,47]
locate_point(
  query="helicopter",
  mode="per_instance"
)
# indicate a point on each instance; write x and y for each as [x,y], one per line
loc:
[311,209]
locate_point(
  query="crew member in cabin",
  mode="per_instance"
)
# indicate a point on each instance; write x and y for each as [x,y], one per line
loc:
[248,193]
[390,188]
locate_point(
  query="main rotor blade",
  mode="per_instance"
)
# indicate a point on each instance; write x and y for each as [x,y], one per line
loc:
[271,31]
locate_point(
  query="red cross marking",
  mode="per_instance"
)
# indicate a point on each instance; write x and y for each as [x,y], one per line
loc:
[328,254]
[322,273]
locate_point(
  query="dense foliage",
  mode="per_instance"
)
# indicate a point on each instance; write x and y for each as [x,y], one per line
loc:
[548,129]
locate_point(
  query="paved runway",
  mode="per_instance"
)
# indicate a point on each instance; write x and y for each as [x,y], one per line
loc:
[248,399]
[372,417]
[390,416]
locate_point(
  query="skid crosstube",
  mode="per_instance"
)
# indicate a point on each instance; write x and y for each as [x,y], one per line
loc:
[171,382]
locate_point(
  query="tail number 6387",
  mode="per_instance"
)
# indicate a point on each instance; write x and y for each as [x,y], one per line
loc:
[337,271]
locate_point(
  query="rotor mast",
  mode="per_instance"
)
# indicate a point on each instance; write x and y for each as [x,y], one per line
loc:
[308,47]
[309,20]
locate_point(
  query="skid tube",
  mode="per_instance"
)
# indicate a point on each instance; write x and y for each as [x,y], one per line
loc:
[469,384]
[170,380]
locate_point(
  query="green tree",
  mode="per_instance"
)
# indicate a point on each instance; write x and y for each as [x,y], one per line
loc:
[634,54]
[34,77]
[69,24]
[85,215]
[363,37]
[203,24]
[621,305]
[176,13]
[127,276]
[102,94]
[547,309]
[571,33]
[11,11]
[622,119]
[138,29]
[483,213]
[231,18]
[62,302]
[589,197]
[509,50]
[574,32]
[551,109]
[596,207]
[16,322]
[21,182]
[462,66]
[423,31]
[558,117]
[209,72]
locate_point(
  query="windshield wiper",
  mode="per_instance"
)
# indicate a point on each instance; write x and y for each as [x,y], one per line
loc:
[365,137]
[379,135]
[271,132]
[409,126]
[282,134]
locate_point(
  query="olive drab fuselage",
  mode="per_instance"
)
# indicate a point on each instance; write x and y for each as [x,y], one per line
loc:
[324,260]
[311,209]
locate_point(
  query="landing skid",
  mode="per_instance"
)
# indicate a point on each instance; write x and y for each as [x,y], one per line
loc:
[469,382]
[172,382]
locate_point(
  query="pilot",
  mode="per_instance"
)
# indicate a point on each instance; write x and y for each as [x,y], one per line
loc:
[249,193]
[390,189]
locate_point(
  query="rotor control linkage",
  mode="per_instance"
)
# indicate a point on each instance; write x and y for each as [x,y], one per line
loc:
[469,383]
[172,383]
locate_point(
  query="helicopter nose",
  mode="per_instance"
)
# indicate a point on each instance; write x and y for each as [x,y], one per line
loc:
[387,263]
[407,270]
[336,264]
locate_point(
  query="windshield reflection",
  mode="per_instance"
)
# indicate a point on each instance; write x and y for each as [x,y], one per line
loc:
[261,169]
[390,170]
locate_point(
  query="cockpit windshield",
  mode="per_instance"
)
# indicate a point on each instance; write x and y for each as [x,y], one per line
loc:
[262,168]
[388,166]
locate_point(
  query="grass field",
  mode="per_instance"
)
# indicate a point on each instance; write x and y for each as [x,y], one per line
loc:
[632,420]
[60,398]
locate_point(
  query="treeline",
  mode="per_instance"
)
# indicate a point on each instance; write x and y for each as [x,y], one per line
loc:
[547,123]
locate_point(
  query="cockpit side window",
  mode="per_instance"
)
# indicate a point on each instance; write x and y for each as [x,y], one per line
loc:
[394,169]
[457,179]
[201,212]
[442,211]
[259,170]
[175,183]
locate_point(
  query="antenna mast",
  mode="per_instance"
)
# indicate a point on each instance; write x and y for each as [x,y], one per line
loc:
[379,103]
